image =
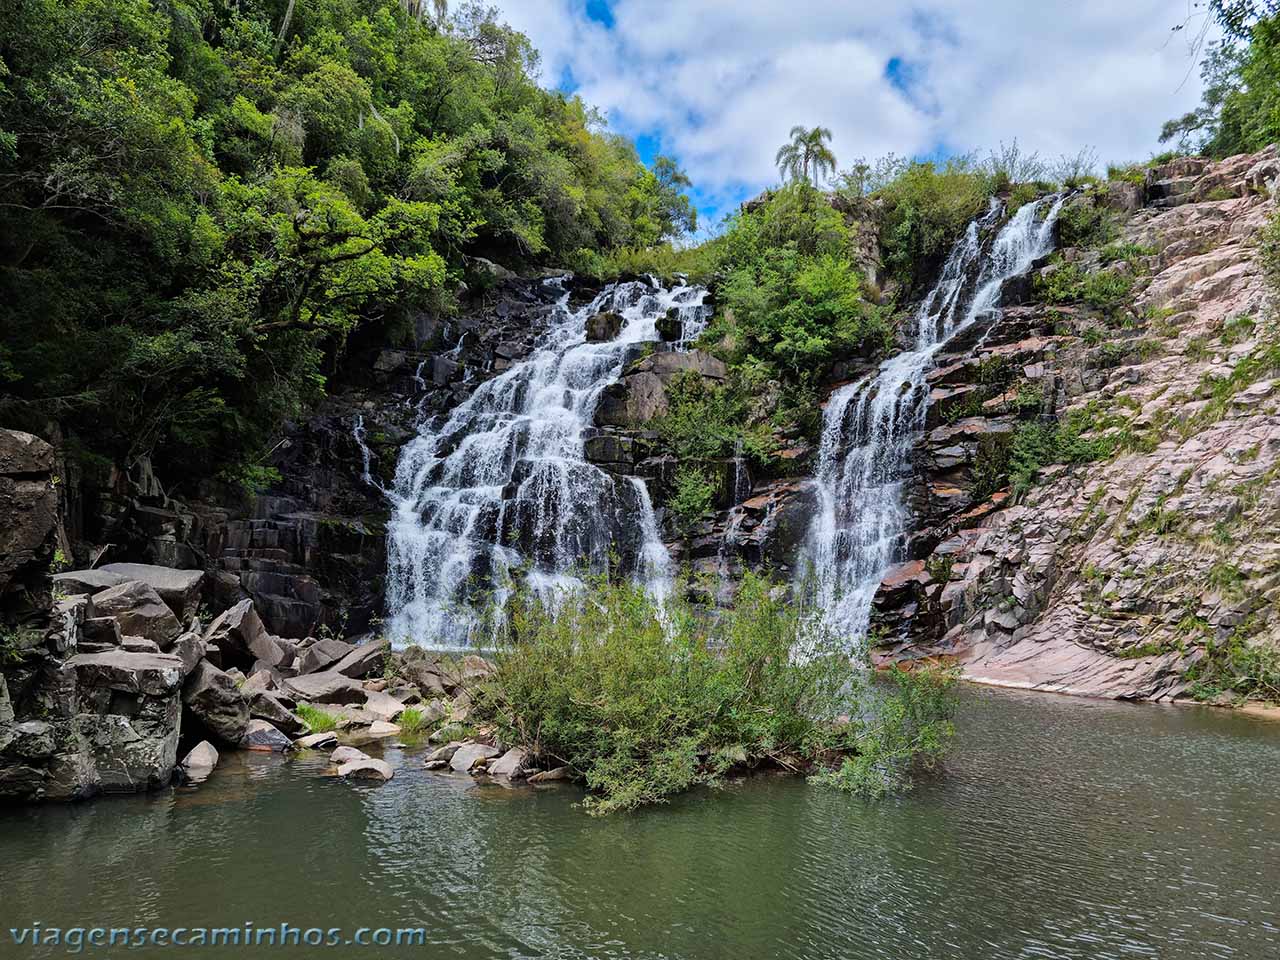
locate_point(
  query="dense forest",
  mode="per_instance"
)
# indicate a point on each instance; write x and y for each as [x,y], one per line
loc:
[201,199]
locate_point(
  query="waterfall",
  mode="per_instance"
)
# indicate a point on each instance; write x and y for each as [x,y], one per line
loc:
[500,487]
[366,455]
[871,426]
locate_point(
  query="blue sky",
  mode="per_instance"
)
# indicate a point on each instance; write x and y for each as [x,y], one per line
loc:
[718,83]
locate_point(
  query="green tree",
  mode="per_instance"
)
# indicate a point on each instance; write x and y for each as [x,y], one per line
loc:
[201,200]
[807,157]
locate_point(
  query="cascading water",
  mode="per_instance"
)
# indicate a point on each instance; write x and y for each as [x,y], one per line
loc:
[871,426]
[501,485]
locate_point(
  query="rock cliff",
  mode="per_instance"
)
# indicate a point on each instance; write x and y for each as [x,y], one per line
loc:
[1146,558]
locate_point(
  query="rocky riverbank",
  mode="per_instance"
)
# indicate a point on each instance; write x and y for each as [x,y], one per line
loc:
[129,679]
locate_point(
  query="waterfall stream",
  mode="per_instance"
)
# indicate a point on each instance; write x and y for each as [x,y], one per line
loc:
[871,426]
[500,488]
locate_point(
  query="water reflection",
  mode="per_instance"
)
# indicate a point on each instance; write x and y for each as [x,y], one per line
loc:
[1062,828]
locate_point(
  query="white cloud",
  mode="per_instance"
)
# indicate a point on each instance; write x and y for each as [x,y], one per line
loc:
[721,81]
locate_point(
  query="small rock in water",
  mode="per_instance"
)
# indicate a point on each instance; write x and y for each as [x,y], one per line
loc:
[510,765]
[199,763]
[380,728]
[316,741]
[444,753]
[263,736]
[367,769]
[471,754]
[436,764]
[346,754]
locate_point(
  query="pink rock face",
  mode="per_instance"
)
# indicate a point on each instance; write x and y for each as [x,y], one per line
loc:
[1108,578]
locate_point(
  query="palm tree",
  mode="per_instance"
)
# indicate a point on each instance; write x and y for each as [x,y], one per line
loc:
[806,153]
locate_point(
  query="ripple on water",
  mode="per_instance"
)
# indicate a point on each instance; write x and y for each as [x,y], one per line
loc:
[1062,829]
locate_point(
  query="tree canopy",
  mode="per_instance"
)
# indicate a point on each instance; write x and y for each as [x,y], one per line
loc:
[200,200]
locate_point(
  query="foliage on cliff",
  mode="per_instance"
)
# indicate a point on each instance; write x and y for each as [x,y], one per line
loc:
[200,200]
[792,299]
[1240,112]
[645,703]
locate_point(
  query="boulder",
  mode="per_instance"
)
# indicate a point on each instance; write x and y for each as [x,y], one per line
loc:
[259,681]
[190,649]
[265,706]
[199,763]
[475,668]
[213,698]
[139,611]
[490,271]
[128,713]
[75,583]
[470,754]
[604,327]
[444,753]
[100,630]
[347,754]
[146,674]
[382,705]
[316,741]
[427,676]
[24,454]
[327,686]
[363,660]
[670,326]
[378,771]
[180,589]
[261,735]
[381,728]
[6,705]
[139,645]
[550,776]
[641,395]
[512,765]
[240,633]
[322,654]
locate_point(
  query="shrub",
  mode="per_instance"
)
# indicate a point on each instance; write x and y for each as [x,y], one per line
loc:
[1241,667]
[913,722]
[926,210]
[795,297]
[692,498]
[1106,290]
[1083,223]
[644,703]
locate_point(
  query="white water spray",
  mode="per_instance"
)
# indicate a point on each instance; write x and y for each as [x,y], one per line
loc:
[871,426]
[500,486]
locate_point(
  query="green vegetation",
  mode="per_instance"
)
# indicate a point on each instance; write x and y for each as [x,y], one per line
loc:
[693,496]
[1085,223]
[413,722]
[792,299]
[201,201]
[927,207]
[1106,290]
[1240,112]
[806,157]
[1083,436]
[643,705]
[1237,668]
[317,720]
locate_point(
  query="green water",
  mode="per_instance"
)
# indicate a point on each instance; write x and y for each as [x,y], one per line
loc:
[1063,828]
